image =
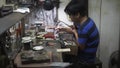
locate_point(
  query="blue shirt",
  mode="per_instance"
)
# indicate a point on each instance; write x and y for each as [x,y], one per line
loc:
[88,35]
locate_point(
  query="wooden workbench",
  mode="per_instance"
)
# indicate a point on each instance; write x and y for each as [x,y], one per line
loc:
[53,55]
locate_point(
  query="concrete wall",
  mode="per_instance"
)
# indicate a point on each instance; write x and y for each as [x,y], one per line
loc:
[110,20]
[106,14]
[2,2]
[61,14]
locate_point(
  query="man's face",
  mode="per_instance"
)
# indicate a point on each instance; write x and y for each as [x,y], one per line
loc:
[74,18]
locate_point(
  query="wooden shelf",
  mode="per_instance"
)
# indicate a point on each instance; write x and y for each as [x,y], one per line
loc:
[10,20]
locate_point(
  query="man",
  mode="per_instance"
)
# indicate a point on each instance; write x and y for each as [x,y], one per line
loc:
[85,32]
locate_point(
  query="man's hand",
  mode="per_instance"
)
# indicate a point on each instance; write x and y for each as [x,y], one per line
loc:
[74,31]
[69,30]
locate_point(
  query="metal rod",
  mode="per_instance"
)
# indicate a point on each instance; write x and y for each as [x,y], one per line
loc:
[65,23]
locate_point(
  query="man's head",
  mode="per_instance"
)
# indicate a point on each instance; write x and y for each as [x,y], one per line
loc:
[76,10]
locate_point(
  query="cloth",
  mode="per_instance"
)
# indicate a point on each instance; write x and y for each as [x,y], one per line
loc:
[89,36]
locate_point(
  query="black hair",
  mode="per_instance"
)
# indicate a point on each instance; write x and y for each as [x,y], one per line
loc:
[75,7]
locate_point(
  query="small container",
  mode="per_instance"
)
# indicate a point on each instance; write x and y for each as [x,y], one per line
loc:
[27,45]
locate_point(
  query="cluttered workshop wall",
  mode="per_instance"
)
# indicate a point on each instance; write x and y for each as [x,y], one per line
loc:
[44,17]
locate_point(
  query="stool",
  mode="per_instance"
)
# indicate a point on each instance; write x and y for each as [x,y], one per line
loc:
[98,63]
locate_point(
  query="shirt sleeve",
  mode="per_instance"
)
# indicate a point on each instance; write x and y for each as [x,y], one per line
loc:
[82,38]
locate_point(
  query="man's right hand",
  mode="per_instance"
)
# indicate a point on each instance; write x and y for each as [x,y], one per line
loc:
[69,30]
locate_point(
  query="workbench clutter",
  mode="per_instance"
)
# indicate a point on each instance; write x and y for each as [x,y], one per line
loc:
[5,10]
[45,52]
[27,43]
[36,56]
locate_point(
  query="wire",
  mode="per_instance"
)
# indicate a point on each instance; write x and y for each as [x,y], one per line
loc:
[64,23]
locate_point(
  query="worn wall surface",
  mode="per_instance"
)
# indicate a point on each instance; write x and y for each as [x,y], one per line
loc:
[106,14]
[61,14]
[2,2]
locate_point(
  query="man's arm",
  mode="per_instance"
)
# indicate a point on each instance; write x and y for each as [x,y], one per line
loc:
[68,30]
[76,40]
